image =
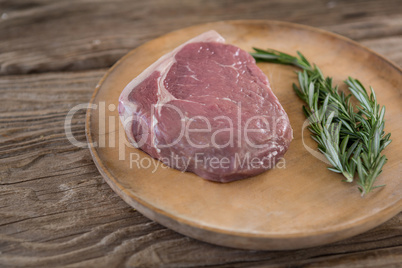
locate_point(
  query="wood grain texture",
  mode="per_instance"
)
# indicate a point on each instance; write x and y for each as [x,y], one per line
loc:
[56,210]
[41,36]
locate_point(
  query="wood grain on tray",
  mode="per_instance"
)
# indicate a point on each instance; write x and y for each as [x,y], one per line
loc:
[55,207]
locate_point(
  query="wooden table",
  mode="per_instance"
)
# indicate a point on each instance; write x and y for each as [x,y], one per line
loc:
[55,208]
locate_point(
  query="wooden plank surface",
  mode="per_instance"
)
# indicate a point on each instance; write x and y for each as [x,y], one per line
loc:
[42,36]
[55,209]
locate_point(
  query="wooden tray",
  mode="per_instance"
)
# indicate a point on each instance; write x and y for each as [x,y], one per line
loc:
[302,205]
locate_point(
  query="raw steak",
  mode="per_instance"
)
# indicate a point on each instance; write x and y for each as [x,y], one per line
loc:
[207,108]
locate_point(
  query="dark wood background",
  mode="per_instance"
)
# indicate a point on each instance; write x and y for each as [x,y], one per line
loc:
[55,208]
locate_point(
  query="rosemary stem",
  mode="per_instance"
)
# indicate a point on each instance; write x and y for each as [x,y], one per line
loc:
[335,124]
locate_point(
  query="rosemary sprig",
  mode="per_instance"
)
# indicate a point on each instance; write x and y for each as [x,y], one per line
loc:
[351,138]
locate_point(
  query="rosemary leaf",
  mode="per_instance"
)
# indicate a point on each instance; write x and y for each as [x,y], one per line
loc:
[351,138]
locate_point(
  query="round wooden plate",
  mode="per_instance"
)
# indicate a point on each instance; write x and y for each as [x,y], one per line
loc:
[301,204]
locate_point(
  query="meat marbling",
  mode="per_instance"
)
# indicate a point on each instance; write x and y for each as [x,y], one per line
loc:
[206,108]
